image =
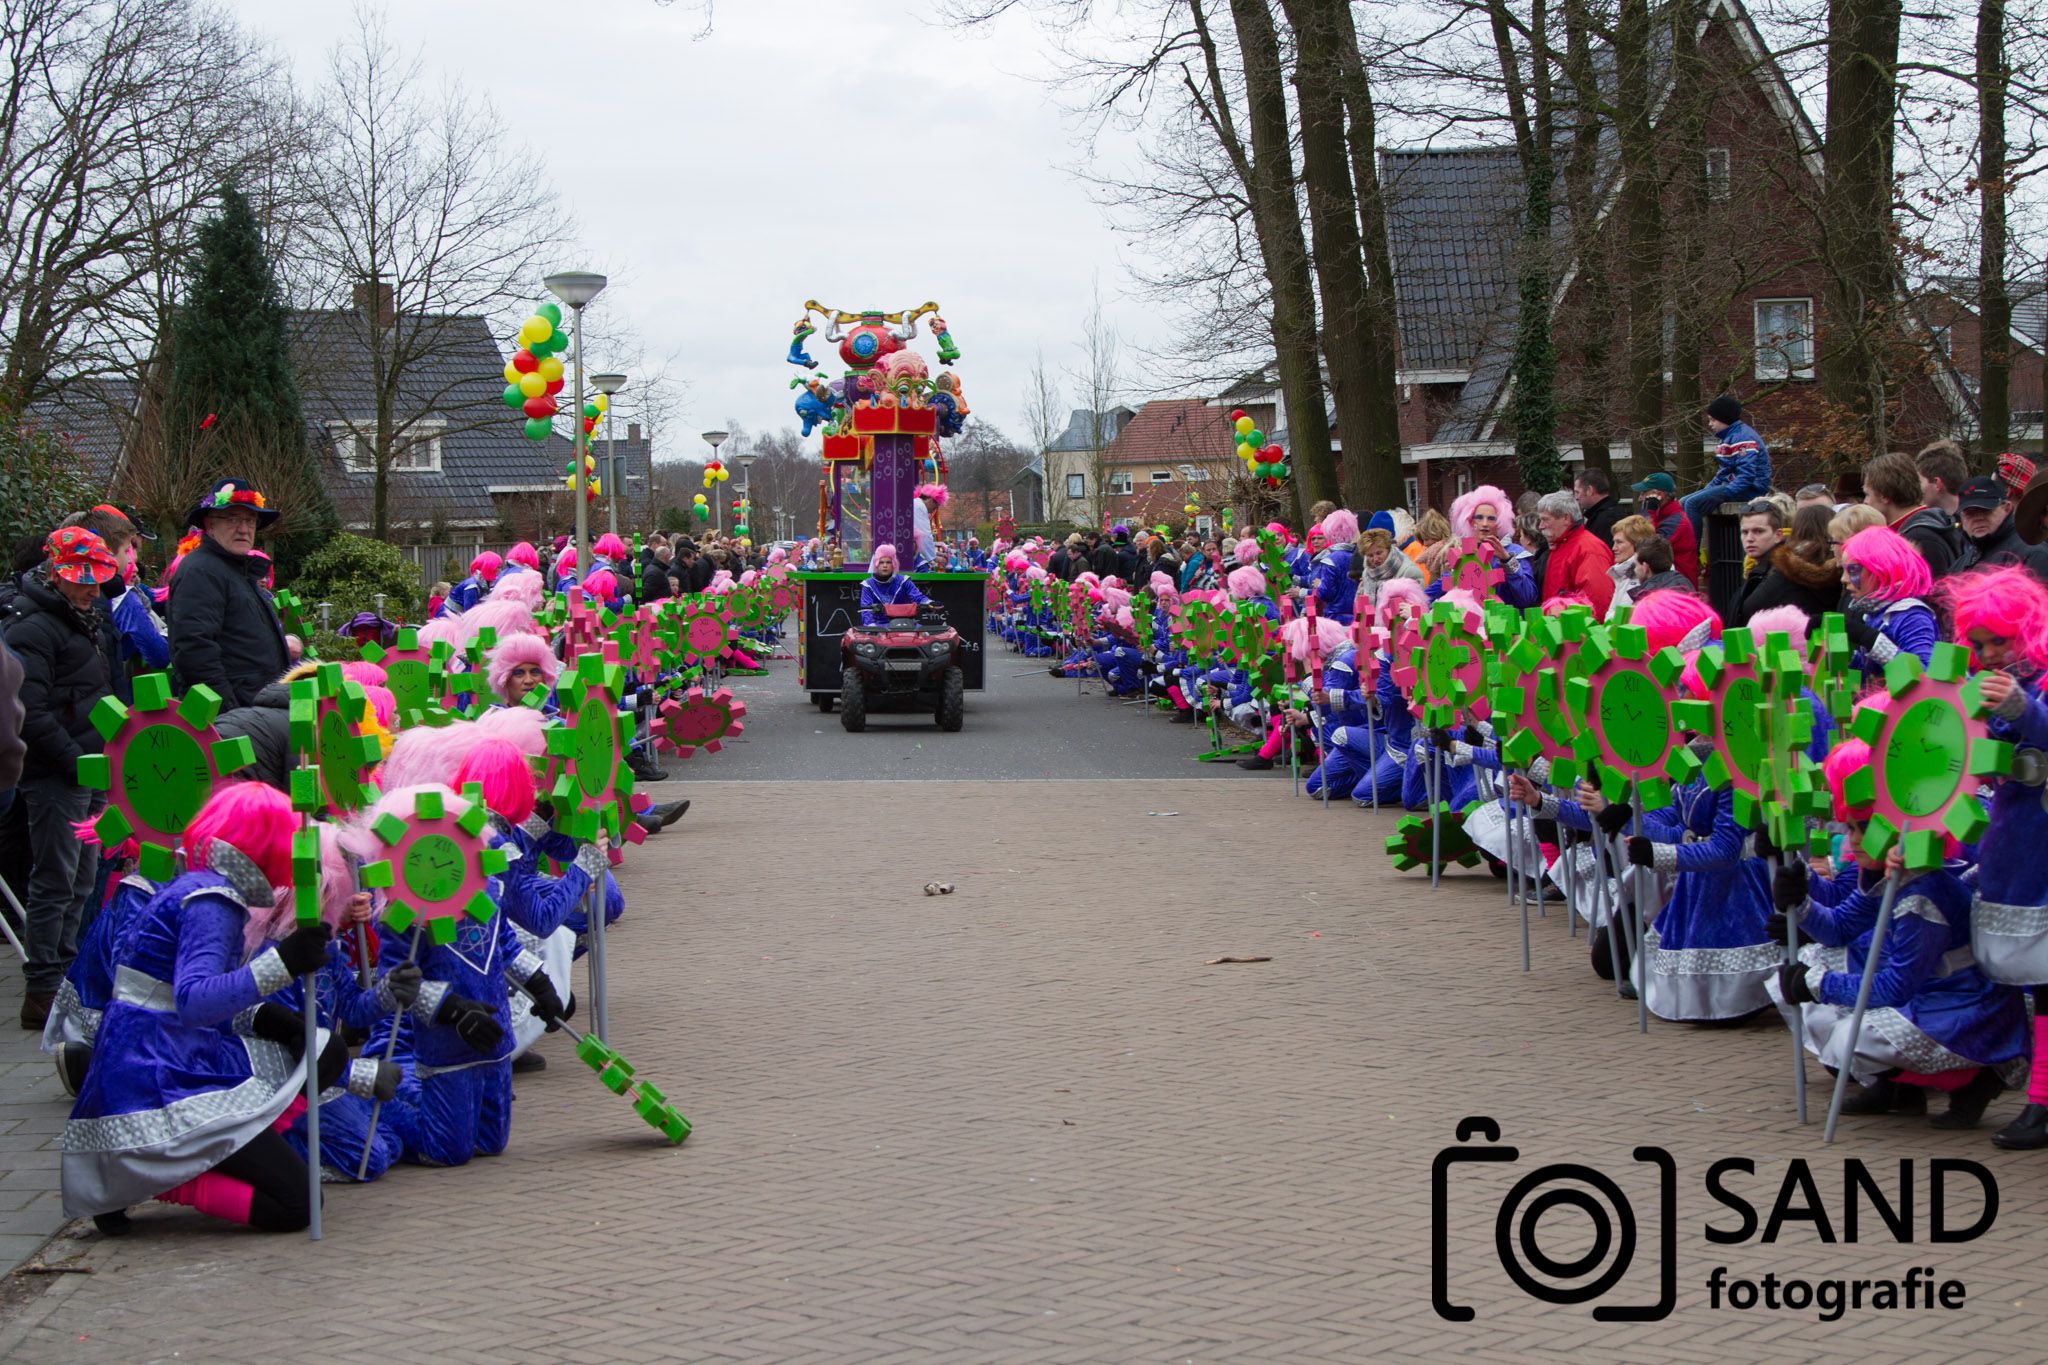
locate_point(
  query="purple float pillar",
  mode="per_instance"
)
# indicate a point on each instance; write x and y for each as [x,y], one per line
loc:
[890,486]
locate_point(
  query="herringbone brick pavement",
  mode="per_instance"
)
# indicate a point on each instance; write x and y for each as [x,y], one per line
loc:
[1027,1122]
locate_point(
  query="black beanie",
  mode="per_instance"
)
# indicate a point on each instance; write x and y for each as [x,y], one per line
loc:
[1725,409]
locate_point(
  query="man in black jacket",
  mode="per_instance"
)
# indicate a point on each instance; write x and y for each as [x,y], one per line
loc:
[66,647]
[1595,493]
[1990,539]
[224,631]
[654,575]
[1891,484]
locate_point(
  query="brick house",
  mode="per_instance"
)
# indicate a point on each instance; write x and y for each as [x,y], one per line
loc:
[1172,446]
[1074,467]
[1948,304]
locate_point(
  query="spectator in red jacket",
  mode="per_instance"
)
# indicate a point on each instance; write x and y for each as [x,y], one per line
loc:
[1657,499]
[1578,561]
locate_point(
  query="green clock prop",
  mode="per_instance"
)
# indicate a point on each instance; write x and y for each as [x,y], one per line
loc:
[589,782]
[1625,693]
[1528,692]
[1929,752]
[159,764]
[337,747]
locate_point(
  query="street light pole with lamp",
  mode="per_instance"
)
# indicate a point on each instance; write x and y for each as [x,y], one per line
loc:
[577,288]
[747,490]
[609,384]
[715,439]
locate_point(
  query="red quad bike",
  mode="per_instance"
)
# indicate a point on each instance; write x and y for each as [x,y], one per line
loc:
[913,659]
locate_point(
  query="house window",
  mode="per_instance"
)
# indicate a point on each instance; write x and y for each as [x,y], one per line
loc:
[1162,476]
[1784,338]
[1202,524]
[1077,485]
[416,450]
[1413,494]
[1945,342]
[1120,481]
[1194,473]
[1463,480]
[1718,185]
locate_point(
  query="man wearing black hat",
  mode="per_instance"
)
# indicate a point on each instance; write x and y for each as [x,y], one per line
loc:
[1742,463]
[224,631]
[1990,540]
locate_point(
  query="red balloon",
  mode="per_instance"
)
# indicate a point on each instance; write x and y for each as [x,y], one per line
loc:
[1273,454]
[1236,413]
[554,387]
[538,407]
[523,361]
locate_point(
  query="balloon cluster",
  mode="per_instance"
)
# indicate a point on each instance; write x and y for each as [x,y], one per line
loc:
[740,508]
[1193,506]
[701,509]
[533,376]
[1261,461]
[715,473]
[593,487]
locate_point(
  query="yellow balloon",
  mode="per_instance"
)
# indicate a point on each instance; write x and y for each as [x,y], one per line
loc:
[700,497]
[532,385]
[536,329]
[550,368]
[1244,425]
[603,401]
[724,475]
[511,373]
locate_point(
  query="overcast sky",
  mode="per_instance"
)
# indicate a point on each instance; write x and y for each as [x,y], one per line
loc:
[861,155]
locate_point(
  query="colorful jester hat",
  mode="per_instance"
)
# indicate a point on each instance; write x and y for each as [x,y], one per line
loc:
[589,784]
[159,764]
[1443,671]
[437,861]
[1930,749]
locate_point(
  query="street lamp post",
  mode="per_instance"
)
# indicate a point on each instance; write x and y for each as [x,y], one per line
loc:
[577,288]
[609,384]
[715,439]
[747,490]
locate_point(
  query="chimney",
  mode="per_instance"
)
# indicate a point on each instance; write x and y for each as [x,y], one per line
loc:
[373,300]
[632,431]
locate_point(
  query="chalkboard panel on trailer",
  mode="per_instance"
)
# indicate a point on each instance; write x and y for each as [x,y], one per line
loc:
[831,603]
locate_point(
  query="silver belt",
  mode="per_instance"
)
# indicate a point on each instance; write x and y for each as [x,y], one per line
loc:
[1956,960]
[144,991]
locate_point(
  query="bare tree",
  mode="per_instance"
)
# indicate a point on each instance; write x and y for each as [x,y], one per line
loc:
[426,217]
[1098,377]
[119,119]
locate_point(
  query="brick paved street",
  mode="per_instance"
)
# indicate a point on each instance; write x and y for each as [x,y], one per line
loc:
[1026,1121]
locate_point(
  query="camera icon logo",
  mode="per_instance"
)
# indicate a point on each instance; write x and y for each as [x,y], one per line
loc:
[1578,1278]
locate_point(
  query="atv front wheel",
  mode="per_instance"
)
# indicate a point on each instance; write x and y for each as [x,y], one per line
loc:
[952,708]
[853,701]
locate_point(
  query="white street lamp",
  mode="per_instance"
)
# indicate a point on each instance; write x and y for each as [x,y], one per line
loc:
[609,384]
[576,288]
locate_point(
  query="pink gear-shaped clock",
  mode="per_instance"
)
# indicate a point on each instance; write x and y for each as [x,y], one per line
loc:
[1625,692]
[584,630]
[1930,749]
[413,673]
[1531,712]
[700,627]
[436,865]
[1444,672]
[1366,638]
[701,720]
[159,764]
[639,644]
[1474,568]
[588,781]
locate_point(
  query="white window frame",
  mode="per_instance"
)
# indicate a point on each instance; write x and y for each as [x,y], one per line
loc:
[1719,174]
[1413,491]
[1203,524]
[1162,476]
[1461,483]
[1193,473]
[1774,362]
[1077,486]
[1119,482]
[353,449]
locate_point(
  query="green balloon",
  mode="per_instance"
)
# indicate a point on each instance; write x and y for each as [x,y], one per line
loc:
[1255,437]
[552,312]
[590,411]
[515,397]
[538,428]
[559,342]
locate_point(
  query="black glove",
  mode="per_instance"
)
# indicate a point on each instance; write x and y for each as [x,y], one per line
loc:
[1762,843]
[547,1003]
[280,1024]
[473,1023]
[1789,887]
[1856,623]
[1613,818]
[1441,739]
[1475,737]
[386,1084]
[1775,926]
[1641,852]
[304,949]
[404,981]
[1792,984]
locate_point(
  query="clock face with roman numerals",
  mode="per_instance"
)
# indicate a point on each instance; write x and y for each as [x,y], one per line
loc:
[1635,718]
[1924,761]
[166,778]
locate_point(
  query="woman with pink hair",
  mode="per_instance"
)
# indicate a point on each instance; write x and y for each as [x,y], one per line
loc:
[194,1065]
[565,569]
[1887,582]
[2001,616]
[518,665]
[611,549]
[1675,620]
[526,589]
[1336,596]
[521,556]
[483,572]
[1935,1021]
[1486,514]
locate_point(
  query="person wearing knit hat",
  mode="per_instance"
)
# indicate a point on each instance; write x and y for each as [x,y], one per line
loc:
[1742,463]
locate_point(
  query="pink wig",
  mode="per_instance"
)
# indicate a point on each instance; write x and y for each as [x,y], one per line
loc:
[1088,580]
[1851,755]
[722,581]
[428,753]
[1330,637]
[256,819]
[1892,568]
[1246,551]
[1340,527]
[1016,561]
[935,491]
[524,588]
[507,616]
[777,555]
[566,560]
[749,578]
[522,725]
[1461,598]
[1675,620]
[364,672]
[885,548]
[2008,603]
[1466,504]
[1162,584]
[1286,536]
[337,886]
[609,546]
[1036,572]
[1788,621]
[1553,605]
[524,553]
[501,769]
[514,650]
[383,705]
[1401,592]
[486,565]
[602,585]
[1246,582]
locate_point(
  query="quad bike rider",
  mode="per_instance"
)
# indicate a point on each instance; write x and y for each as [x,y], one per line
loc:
[903,651]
